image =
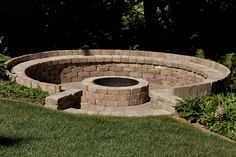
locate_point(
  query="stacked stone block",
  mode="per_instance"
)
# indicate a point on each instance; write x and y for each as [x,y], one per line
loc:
[66,71]
[65,99]
[94,94]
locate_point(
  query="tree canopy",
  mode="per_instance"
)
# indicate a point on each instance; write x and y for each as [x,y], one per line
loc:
[180,26]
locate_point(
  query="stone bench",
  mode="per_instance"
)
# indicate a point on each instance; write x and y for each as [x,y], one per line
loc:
[179,77]
[65,99]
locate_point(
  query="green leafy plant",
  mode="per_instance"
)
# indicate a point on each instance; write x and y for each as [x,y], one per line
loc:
[191,108]
[200,53]
[217,112]
[3,59]
[12,90]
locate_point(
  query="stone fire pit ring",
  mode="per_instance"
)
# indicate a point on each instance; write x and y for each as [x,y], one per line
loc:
[114,91]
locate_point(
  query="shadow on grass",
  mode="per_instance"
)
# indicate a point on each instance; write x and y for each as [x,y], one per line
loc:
[13,141]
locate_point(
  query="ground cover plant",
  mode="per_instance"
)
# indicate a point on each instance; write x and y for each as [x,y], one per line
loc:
[216,112]
[12,90]
[35,131]
[3,59]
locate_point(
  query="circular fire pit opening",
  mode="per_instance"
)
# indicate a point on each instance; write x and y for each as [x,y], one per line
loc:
[116,82]
[114,91]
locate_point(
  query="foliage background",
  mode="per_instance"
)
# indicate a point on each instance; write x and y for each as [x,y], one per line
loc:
[180,26]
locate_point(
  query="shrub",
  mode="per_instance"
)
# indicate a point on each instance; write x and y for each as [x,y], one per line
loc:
[3,59]
[217,112]
[200,53]
[229,60]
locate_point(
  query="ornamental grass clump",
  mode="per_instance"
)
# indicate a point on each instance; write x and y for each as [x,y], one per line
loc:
[219,113]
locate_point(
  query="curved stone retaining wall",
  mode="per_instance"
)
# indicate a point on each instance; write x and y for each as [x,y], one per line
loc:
[181,76]
[79,68]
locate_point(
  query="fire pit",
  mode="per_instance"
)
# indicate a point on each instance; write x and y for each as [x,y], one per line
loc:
[116,81]
[114,91]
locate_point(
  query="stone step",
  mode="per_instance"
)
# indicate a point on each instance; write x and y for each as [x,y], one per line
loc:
[165,97]
[139,110]
[65,99]
[155,104]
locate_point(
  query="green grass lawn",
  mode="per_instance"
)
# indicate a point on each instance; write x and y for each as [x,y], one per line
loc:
[27,130]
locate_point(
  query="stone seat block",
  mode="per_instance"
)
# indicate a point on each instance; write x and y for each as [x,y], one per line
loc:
[66,99]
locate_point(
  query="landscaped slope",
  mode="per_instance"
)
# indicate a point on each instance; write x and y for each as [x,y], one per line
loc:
[27,130]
